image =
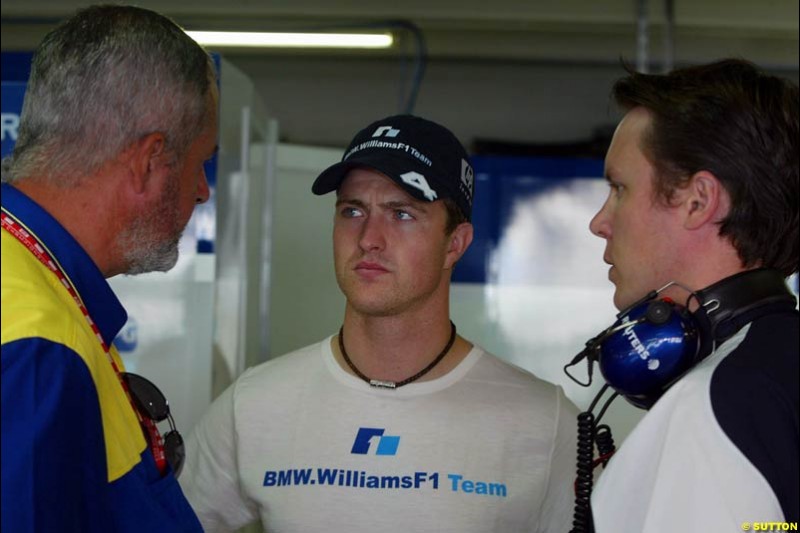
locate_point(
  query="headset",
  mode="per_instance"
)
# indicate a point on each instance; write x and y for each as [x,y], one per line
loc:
[653,343]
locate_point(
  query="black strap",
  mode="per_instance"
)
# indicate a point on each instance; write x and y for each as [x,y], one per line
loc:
[737,300]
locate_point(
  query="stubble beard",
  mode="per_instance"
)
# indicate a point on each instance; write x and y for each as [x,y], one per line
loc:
[381,300]
[377,301]
[144,245]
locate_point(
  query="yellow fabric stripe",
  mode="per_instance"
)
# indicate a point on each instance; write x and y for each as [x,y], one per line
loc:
[35,304]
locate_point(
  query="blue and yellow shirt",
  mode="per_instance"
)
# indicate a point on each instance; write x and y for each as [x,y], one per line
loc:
[74,457]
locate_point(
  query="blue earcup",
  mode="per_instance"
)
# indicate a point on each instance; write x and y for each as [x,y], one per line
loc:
[659,344]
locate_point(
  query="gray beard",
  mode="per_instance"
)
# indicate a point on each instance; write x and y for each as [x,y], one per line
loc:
[158,258]
[143,248]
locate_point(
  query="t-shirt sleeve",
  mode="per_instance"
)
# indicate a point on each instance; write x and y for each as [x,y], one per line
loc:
[210,478]
[556,512]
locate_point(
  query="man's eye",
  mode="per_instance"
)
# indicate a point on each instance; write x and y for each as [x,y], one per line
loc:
[350,212]
[403,215]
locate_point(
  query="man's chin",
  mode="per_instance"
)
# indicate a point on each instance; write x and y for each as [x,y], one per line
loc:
[373,307]
[621,301]
[153,259]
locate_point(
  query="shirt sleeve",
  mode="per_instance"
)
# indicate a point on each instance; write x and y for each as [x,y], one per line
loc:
[210,478]
[754,397]
[556,512]
[54,472]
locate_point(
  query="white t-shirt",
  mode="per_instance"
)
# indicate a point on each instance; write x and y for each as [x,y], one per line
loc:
[305,446]
[680,470]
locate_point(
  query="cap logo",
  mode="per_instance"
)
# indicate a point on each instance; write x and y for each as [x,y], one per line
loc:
[415,179]
[467,179]
[387,131]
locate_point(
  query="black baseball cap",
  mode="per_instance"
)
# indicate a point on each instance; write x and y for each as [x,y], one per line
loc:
[421,156]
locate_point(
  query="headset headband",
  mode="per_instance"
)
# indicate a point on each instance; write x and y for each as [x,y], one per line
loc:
[730,303]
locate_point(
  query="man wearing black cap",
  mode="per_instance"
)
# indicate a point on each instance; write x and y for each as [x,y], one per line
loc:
[396,423]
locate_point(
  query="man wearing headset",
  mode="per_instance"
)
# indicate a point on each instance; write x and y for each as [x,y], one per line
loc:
[703,171]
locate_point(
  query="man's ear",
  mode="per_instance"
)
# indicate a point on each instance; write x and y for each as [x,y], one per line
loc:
[704,200]
[460,240]
[147,159]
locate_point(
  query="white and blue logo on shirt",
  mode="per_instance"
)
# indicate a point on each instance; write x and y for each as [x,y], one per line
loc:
[387,444]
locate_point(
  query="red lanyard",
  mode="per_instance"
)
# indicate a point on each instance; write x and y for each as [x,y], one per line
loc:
[37,248]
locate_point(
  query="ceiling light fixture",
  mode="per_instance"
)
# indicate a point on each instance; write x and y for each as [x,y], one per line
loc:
[292,40]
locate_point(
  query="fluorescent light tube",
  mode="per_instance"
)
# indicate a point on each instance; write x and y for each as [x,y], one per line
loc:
[292,40]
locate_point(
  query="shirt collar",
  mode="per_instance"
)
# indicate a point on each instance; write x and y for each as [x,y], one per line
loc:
[101,302]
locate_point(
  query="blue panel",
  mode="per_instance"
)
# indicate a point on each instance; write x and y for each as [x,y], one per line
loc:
[12,96]
[211,165]
[16,66]
[499,183]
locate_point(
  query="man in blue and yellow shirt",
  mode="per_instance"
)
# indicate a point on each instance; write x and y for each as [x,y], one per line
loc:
[119,116]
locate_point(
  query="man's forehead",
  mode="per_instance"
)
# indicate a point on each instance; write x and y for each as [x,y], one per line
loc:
[360,180]
[636,123]
[365,174]
[631,132]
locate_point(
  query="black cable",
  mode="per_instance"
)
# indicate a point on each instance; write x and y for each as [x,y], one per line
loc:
[590,433]
[420,53]
[605,443]
[597,398]
[582,518]
[420,61]
[605,406]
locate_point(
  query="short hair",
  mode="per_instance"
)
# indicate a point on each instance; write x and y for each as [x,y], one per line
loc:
[104,78]
[455,216]
[733,120]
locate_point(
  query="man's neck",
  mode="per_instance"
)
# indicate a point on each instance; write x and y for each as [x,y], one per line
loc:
[84,213]
[397,347]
